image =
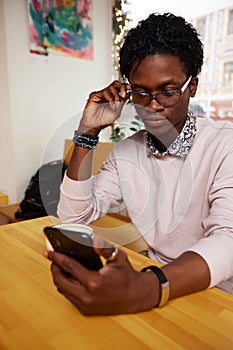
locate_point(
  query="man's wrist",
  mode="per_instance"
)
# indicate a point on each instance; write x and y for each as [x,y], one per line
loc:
[85,140]
[92,132]
[164,285]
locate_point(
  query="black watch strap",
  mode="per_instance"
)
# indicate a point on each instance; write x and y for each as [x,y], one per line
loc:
[164,284]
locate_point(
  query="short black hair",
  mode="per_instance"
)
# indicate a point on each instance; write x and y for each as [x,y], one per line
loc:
[164,34]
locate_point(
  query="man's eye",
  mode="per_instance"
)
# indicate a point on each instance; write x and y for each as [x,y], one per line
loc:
[139,91]
[168,92]
[143,94]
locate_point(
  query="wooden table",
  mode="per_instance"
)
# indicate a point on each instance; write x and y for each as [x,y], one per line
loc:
[33,315]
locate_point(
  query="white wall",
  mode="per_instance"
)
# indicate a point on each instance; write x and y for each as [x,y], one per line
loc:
[7,169]
[41,101]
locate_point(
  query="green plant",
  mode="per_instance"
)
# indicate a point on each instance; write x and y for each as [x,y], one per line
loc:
[117,133]
[137,124]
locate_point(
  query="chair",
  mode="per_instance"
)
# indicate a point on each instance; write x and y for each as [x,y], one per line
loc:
[100,153]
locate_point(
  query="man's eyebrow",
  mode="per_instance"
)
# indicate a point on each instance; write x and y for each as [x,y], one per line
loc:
[138,86]
[172,82]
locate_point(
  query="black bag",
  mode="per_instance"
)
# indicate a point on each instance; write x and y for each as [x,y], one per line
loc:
[43,192]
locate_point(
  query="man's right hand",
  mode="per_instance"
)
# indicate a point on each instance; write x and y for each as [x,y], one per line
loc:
[103,108]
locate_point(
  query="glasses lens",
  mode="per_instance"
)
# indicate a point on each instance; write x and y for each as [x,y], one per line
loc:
[140,99]
[168,98]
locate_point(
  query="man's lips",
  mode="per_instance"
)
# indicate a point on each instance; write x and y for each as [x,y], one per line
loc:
[154,119]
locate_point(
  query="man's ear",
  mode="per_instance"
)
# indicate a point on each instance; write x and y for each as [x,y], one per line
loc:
[193,86]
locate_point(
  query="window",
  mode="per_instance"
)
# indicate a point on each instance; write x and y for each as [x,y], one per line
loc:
[201,26]
[226,113]
[230,22]
[228,71]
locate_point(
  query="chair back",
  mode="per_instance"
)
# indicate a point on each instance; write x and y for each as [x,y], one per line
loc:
[100,153]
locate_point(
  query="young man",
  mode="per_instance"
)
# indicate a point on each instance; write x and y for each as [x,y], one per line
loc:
[175,178]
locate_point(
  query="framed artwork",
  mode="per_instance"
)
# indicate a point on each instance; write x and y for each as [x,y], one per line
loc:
[61,26]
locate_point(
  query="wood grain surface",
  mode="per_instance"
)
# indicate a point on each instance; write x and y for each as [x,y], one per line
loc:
[33,315]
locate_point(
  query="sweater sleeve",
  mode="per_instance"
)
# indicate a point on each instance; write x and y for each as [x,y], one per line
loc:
[217,251]
[86,201]
[216,247]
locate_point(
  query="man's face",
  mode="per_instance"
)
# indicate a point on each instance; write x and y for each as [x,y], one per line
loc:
[156,74]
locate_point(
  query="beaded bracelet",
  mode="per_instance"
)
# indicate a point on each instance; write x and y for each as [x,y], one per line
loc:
[164,284]
[85,140]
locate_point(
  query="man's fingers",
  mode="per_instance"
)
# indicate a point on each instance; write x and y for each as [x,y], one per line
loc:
[105,249]
[71,266]
[68,286]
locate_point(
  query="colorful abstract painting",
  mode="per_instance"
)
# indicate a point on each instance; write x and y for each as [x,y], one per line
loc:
[62,26]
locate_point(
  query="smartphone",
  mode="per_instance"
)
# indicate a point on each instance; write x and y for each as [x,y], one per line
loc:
[76,244]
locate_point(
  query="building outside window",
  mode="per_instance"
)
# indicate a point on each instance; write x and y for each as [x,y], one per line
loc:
[228,72]
[215,92]
[230,22]
[201,24]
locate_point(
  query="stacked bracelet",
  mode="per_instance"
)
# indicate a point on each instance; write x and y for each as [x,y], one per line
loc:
[164,284]
[85,140]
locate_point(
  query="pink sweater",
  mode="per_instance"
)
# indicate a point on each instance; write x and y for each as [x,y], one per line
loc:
[176,204]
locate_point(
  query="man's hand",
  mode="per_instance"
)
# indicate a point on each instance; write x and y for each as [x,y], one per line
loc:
[115,289]
[103,107]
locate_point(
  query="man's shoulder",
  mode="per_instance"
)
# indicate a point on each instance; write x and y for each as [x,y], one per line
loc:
[213,126]
[220,131]
[215,135]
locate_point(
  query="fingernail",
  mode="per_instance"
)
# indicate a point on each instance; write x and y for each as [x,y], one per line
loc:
[46,254]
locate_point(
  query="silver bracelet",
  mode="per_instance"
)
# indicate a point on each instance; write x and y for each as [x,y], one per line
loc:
[85,140]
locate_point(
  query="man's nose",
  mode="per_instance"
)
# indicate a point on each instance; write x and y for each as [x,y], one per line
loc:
[155,105]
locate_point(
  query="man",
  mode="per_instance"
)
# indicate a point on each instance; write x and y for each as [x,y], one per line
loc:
[175,178]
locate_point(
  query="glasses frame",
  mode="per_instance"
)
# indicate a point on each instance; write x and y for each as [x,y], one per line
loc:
[154,96]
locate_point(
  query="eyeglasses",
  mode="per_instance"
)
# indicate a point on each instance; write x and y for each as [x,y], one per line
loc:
[166,98]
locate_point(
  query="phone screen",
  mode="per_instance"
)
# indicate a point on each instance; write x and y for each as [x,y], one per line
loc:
[78,245]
